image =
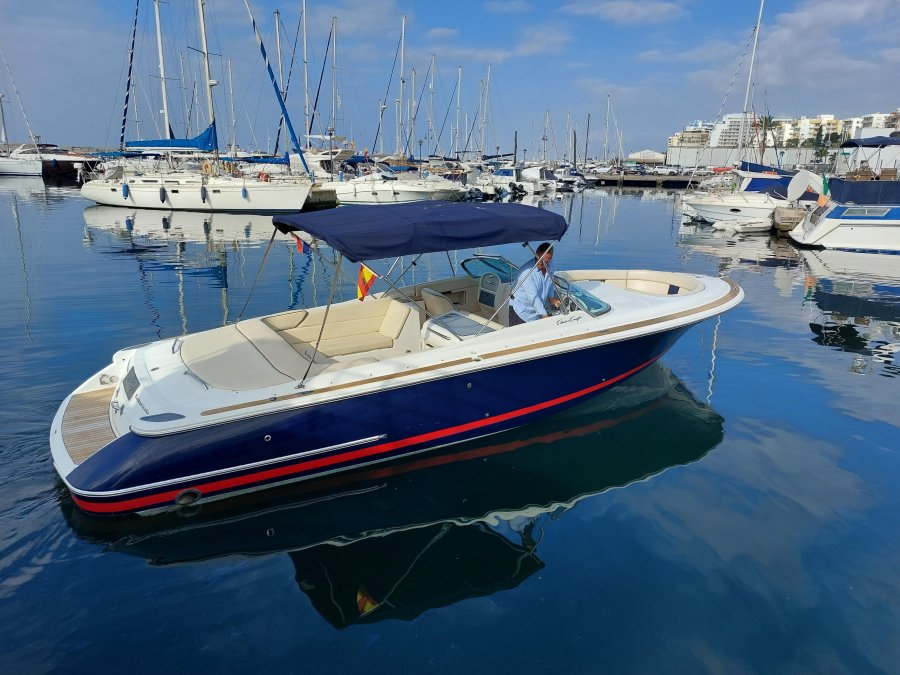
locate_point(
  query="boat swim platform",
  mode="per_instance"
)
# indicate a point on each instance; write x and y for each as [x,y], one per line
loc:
[85,425]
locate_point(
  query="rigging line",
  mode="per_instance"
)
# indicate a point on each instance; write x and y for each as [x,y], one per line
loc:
[440,534]
[256,278]
[418,104]
[444,123]
[386,92]
[128,81]
[287,84]
[324,321]
[315,108]
[472,130]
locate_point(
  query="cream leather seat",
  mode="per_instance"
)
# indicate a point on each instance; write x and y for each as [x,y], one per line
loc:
[448,324]
[436,303]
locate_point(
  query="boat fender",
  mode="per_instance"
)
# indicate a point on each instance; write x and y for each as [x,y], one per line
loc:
[264,177]
[162,195]
[125,190]
[203,193]
[129,223]
[245,193]
[166,224]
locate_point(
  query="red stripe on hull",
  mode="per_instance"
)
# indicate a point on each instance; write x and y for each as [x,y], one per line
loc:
[237,482]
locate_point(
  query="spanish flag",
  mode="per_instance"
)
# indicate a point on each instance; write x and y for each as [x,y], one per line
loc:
[365,603]
[302,246]
[364,281]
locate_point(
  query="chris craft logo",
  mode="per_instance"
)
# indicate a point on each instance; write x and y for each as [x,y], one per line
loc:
[568,319]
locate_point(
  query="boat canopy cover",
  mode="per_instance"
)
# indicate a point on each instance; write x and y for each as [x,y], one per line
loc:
[765,168]
[250,159]
[865,192]
[390,230]
[206,142]
[873,142]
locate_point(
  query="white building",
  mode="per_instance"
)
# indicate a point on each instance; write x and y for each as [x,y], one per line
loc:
[875,120]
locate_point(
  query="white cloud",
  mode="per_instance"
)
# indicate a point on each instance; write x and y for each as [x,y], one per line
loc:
[442,33]
[714,51]
[508,6]
[627,11]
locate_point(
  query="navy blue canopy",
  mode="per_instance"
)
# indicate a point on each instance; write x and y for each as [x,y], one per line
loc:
[872,142]
[389,230]
[869,192]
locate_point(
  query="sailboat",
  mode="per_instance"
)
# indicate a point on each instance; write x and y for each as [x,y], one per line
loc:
[216,186]
[18,164]
[741,209]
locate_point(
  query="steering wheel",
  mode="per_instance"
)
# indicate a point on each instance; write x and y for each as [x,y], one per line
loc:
[564,302]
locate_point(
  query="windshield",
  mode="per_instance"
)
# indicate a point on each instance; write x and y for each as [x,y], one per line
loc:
[480,265]
[585,300]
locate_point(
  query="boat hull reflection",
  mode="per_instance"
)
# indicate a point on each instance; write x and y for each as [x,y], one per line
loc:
[468,521]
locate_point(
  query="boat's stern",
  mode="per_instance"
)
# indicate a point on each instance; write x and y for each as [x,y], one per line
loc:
[86,421]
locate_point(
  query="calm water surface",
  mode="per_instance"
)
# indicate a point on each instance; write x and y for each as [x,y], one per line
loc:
[733,509]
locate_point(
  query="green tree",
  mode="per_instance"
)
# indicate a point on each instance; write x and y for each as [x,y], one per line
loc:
[792,143]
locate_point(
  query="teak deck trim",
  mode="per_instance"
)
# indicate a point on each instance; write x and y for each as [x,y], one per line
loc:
[85,425]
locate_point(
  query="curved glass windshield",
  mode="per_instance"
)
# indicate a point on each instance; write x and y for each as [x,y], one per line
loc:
[585,300]
[480,265]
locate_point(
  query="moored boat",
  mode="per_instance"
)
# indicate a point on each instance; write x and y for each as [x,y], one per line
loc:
[861,216]
[308,392]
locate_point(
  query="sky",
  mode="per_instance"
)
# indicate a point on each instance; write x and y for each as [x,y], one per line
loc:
[641,69]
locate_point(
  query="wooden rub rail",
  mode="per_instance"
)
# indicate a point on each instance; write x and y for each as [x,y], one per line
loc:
[85,426]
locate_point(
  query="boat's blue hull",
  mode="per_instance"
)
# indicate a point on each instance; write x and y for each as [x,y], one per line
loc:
[135,473]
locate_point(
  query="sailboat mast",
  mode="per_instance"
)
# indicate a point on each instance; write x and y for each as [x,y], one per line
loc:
[233,118]
[750,78]
[412,116]
[3,137]
[331,127]
[606,134]
[587,138]
[431,108]
[458,99]
[277,14]
[287,119]
[162,72]
[277,17]
[210,83]
[306,129]
[484,106]
[402,79]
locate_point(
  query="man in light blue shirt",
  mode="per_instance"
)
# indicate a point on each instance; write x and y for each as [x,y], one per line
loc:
[533,289]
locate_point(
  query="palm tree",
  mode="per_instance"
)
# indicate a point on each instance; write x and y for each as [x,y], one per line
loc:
[767,123]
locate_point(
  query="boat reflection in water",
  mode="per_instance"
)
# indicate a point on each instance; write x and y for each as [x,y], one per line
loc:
[858,295]
[174,226]
[395,541]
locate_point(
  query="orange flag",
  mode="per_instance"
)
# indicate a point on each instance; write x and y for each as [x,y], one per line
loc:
[364,281]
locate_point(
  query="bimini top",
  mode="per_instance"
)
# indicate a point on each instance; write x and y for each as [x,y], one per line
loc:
[390,230]
[871,142]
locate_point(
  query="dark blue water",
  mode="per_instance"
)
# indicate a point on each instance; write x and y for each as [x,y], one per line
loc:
[733,509]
